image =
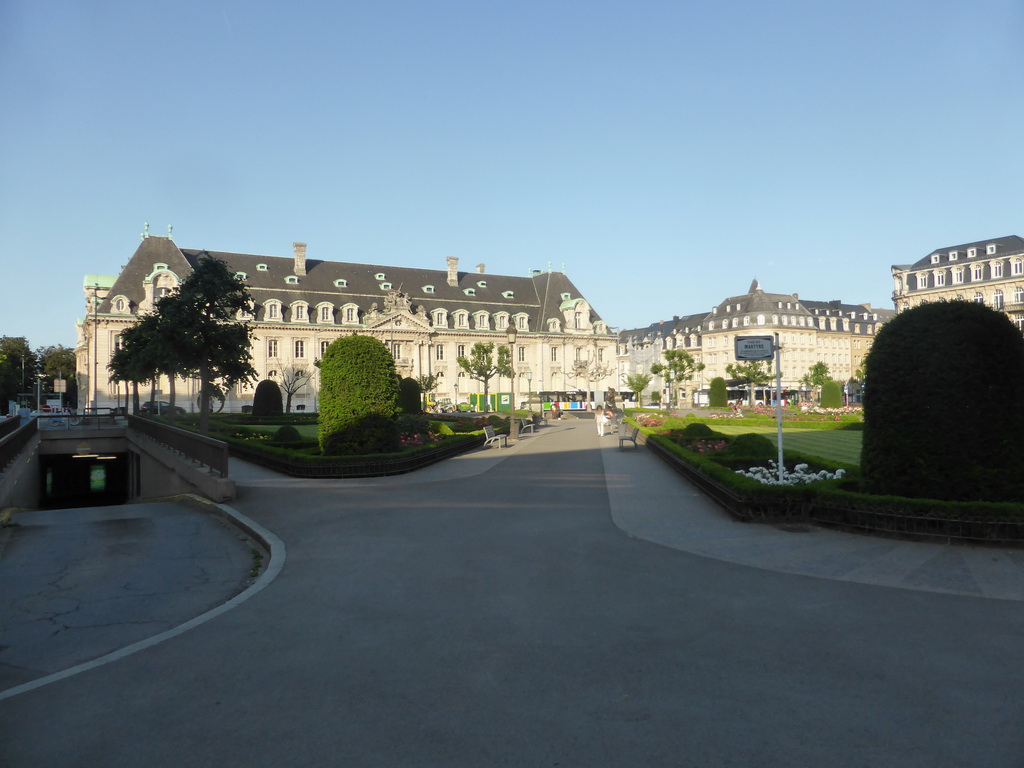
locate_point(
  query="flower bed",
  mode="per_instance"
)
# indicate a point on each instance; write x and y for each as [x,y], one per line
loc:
[830,499]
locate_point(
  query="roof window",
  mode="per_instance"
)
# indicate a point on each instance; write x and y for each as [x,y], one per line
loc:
[262,268]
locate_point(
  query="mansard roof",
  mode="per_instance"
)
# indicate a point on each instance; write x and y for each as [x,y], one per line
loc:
[755,301]
[268,278]
[1005,246]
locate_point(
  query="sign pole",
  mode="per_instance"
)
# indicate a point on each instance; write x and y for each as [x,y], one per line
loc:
[778,405]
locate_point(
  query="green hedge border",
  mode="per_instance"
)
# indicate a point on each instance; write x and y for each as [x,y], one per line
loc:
[830,504]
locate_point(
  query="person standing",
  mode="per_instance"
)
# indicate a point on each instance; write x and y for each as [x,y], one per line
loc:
[599,418]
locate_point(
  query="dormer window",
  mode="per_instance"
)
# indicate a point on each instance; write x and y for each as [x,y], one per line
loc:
[292,280]
[385,286]
[990,249]
[972,252]
[508,294]
[299,313]
[481,284]
[379,276]
[341,283]
[326,313]
[566,296]
[262,268]
[935,258]
[470,291]
[273,310]
[428,289]
[241,276]
[953,255]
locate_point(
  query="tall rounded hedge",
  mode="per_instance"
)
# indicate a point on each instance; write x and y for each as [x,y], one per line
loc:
[410,396]
[831,394]
[358,398]
[944,405]
[718,397]
[266,401]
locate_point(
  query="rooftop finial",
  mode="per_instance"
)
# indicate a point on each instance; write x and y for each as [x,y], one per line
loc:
[145,230]
[169,230]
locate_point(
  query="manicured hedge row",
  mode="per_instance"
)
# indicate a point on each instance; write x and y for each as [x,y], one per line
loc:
[838,503]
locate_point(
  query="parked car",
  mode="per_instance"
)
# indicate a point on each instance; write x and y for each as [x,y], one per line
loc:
[161,408]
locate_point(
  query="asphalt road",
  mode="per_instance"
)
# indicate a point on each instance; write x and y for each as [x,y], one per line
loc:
[494,614]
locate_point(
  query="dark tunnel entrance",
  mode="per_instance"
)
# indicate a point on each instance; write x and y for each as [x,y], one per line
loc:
[92,480]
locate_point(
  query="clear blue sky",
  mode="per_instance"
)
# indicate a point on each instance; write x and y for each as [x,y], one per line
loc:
[666,152]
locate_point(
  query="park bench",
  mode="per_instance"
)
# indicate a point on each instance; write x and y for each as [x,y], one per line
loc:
[490,436]
[527,424]
[630,438]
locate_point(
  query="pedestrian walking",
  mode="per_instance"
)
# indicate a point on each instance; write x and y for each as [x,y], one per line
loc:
[600,419]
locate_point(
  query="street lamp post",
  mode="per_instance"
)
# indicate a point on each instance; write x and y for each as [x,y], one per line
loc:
[513,425]
[529,386]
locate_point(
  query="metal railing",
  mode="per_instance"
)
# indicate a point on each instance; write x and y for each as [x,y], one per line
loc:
[199,448]
[15,439]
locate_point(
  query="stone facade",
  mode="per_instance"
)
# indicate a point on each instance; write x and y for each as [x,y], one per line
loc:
[989,272]
[427,318]
[832,332]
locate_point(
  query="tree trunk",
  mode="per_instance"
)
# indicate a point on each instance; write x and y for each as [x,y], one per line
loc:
[204,399]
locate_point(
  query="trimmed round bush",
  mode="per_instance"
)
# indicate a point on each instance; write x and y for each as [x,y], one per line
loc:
[697,430]
[287,434]
[267,401]
[753,446]
[944,405]
[410,396]
[718,397]
[358,398]
[831,394]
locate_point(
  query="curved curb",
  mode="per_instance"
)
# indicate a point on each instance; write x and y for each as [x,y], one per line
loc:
[277,555]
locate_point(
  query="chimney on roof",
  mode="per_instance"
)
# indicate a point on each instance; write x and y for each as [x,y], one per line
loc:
[453,271]
[300,258]
[480,268]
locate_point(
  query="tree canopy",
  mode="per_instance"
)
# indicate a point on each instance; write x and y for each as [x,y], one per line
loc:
[679,367]
[756,373]
[481,366]
[194,331]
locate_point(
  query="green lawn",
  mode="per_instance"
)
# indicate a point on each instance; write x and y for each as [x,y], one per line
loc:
[836,445]
[308,431]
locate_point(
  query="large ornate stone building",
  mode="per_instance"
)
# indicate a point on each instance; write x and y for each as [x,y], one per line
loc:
[427,318]
[831,332]
[989,272]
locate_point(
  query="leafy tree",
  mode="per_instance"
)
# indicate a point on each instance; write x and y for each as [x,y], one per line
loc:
[267,400]
[831,394]
[292,379]
[211,343]
[138,358]
[481,365]
[638,382]
[679,367]
[718,397]
[18,366]
[816,376]
[756,373]
[925,435]
[428,383]
[59,362]
[358,397]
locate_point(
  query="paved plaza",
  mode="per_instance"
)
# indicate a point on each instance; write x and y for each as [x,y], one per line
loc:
[557,603]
